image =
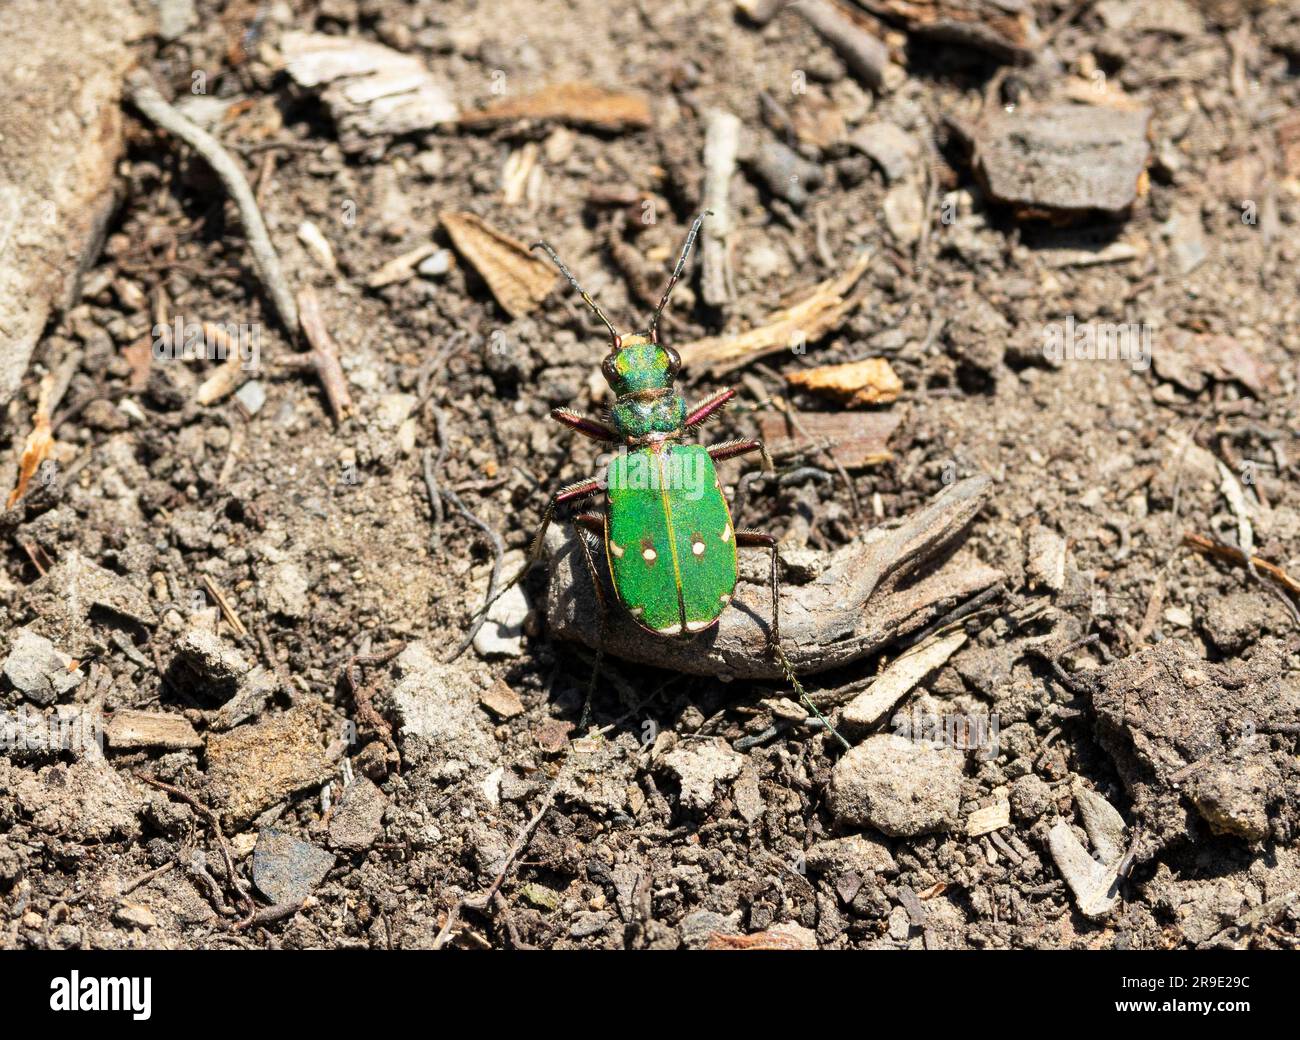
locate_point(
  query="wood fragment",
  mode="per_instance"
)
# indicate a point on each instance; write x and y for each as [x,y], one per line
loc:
[721,146]
[792,328]
[574,104]
[266,261]
[227,378]
[227,611]
[854,439]
[324,355]
[863,52]
[1005,29]
[400,268]
[854,384]
[1211,547]
[518,280]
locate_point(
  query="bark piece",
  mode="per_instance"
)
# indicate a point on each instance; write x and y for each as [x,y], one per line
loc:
[60,139]
[1064,162]
[575,104]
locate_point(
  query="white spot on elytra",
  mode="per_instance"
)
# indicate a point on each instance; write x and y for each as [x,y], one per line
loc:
[725,598]
[697,626]
[697,548]
[650,555]
[726,533]
[616,549]
[637,611]
[670,630]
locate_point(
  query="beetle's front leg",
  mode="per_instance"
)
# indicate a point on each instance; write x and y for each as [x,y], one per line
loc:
[585,425]
[572,493]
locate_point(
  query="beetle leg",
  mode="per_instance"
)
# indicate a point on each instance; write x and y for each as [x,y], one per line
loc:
[583,524]
[593,428]
[572,493]
[733,449]
[709,406]
[761,539]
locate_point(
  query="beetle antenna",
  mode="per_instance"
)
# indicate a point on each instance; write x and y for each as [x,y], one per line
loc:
[677,271]
[586,296]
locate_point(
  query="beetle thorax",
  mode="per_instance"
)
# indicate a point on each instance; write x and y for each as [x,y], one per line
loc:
[641,374]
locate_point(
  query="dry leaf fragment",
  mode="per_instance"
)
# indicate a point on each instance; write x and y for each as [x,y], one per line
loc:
[518,280]
[577,104]
[872,381]
[807,321]
[38,445]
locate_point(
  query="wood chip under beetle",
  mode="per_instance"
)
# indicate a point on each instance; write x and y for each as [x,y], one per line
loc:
[856,383]
[576,104]
[804,322]
[518,280]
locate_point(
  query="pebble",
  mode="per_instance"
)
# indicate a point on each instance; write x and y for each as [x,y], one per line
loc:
[501,701]
[358,819]
[135,915]
[502,632]
[700,766]
[437,264]
[252,396]
[253,767]
[285,868]
[901,787]
[38,670]
[889,146]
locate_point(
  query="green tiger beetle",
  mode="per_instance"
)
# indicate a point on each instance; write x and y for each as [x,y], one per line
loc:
[669,540]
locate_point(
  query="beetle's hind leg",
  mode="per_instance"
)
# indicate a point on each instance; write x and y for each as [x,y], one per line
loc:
[763,540]
[585,524]
[575,492]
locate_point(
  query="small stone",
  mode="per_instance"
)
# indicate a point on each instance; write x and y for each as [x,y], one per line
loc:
[174,18]
[1233,622]
[135,915]
[286,591]
[358,819]
[589,922]
[285,868]
[252,396]
[502,632]
[699,766]
[69,593]
[1045,559]
[900,925]
[863,854]
[438,715]
[889,146]
[1030,797]
[1102,822]
[101,414]
[87,801]
[699,926]
[253,767]
[748,797]
[1233,799]
[204,665]
[1179,617]
[129,728]
[502,701]
[904,212]
[901,787]
[1187,242]
[38,670]
[1067,161]
[436,264]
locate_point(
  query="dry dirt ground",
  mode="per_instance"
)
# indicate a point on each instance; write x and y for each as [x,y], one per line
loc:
[1143,790]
